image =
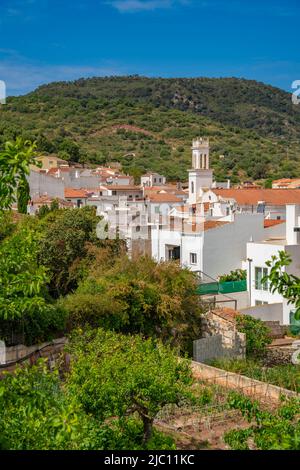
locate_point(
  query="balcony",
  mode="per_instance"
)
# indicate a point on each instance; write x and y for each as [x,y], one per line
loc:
[214,288]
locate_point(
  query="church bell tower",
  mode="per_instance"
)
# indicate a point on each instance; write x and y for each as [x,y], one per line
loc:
[200,176]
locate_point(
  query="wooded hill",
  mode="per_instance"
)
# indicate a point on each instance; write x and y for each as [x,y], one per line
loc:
[255,127]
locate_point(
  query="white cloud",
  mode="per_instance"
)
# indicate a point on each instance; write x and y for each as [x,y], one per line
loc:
[134,6]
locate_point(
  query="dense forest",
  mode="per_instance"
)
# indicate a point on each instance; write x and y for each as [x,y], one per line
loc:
[149,123]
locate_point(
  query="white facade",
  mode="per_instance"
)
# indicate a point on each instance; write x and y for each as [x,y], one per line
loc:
[215,251]
[153,179]
[258,253]
[200,176]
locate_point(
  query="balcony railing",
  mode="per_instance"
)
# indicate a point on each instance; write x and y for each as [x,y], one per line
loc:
[213,288]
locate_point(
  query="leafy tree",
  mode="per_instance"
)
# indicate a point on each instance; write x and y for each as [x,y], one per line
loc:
[139,296]
[268,183]
[116,375]
[257,334]
[7,224]
[54,206]
[43,211]
[69,150]
[38,413]
[14,167]
[24,308]
[65,234]
[23,196]
[280,281]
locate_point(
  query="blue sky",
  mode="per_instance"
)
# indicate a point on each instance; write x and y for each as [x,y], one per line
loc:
[49,40]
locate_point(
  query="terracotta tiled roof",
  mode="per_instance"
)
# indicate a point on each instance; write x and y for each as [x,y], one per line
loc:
[71,192]
[162,197]
[193,225]
[62,169]
[271,223]
[210,224]
[226,313]
[165,189]
[278,197]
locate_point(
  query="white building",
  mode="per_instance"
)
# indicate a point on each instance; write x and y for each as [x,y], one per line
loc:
[200,176]
[152,179]
[273,306]
[213,247]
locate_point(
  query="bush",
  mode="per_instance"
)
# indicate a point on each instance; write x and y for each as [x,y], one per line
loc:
[141,296]
[257,334]
[65,234]
[237,275]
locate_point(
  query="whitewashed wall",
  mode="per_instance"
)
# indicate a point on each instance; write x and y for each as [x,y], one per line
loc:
[225,247]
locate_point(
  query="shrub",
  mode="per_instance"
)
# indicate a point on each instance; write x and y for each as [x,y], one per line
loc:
[257,334]
[140,296]
[237,275]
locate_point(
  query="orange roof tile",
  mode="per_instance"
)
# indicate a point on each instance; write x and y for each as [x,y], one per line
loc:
[194,225]
[226,313]
[71,192]
[271,222]
[278,197]
[163,197]
[164,189]
[209,224]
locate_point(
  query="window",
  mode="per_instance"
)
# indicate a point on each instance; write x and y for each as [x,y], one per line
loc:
[114,193]
[192,187]
[193,258]
[260,273]
[160,180]
[260,302]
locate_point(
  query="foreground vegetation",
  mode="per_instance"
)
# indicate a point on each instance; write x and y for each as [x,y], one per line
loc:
[278,429]
[128,322]
[107,400]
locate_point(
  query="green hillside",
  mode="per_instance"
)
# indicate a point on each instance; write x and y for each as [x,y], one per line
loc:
[253,125]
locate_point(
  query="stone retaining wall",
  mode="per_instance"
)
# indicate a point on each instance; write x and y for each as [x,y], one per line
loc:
[19,355]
